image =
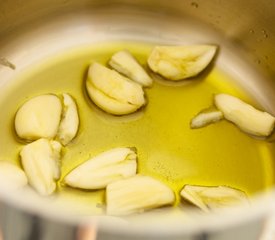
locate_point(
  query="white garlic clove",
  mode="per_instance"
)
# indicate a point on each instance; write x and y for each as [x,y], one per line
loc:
[113,92]
[210,198]
[108,104]
[40,160]
[180,62]
[11,176]
[126,64]
[70,120]
[105,168]
[39,117]
[206,117]
[137,194]
[245,116]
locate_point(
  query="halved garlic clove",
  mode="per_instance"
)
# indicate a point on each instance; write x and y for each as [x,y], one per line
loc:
[206,117]
[246,117]
[11,176]
[209,198]
[113,92]
[108,104]
[70,120]
[126,64]
[103,169]
[40,160]
[137,194]
[39,117]
[180,62]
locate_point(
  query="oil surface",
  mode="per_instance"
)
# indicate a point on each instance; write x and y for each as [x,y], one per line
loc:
[219,154]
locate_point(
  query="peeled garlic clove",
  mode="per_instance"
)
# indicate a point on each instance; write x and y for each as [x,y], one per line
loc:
[115,85]
[103,169]
[11,176]
[126,64]
[40,160]
[70,120]
[113,92]
[206,117]
[108,104]
[208,198]
[137,194]
[180,62]
[246,117]
[192,195]
[39,117]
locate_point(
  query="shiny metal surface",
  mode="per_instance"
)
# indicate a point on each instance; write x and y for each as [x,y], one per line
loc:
[37,29]
[33,30]
[247,23]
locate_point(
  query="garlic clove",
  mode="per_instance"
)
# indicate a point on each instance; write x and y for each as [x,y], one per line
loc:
[11,176]
[39,117]
[111,90]
[108,104]
[125,63]
[40,160]
[70,120]
[206,117]
[210,198]
[105,168]
[180,62]
[245,116]
[137,194]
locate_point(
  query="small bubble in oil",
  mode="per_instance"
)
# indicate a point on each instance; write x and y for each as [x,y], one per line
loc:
[194,4]
[264,33]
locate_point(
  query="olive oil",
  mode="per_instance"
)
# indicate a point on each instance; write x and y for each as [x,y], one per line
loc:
[168,149]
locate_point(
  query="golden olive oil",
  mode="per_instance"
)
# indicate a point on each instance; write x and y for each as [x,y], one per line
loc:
[219,154]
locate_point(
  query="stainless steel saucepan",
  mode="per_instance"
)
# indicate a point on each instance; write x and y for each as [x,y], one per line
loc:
[36,29]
